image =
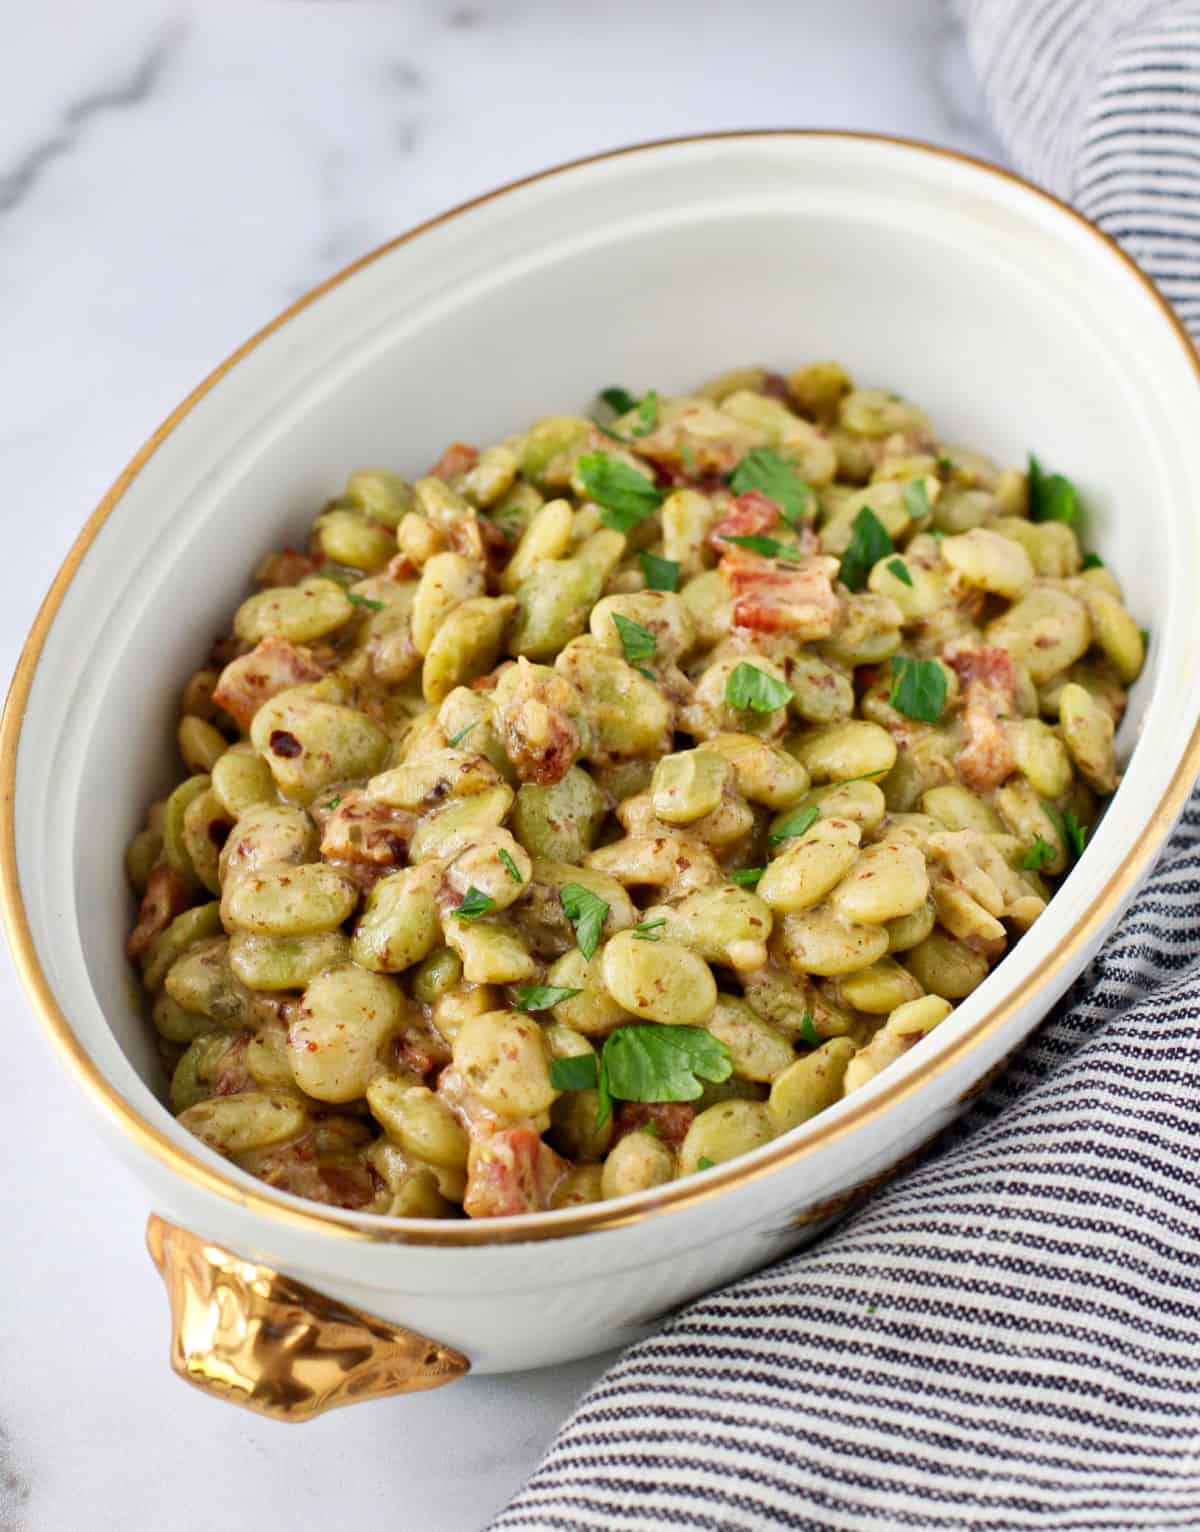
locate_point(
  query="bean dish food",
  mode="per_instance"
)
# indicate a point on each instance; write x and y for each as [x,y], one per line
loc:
[612,800]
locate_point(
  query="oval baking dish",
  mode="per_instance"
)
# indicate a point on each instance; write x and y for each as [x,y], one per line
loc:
[1001,311]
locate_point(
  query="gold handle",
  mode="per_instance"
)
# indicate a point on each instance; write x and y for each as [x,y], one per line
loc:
[262,1340]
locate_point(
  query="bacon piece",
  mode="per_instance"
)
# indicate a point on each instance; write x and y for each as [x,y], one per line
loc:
[457,458]
[511,1171]
[671,1120]
[536,720]
[270,668]
[989,682]
[749,515]
[778,596]
[166,896]
[361,829]
[286,567]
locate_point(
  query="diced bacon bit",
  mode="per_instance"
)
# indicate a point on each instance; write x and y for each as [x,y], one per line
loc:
[775,386]
[457,458]
[270,668]
[488,683]
[749,515]
[670,1119]
[497,550]
[421,1048]
[774,596]
[234,1076]
[540,737]
[511,1171]
[348,1186]
[465,537]
[361,829]
[286,567]
[989,682]
[400,568]
[166,896]
[295,1168]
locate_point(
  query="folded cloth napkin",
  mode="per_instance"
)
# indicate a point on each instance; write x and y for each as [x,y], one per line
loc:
[1009,1335]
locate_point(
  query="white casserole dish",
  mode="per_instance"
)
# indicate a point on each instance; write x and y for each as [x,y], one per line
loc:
[1007,316]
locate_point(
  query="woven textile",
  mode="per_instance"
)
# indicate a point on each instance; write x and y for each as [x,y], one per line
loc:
[1009,1336]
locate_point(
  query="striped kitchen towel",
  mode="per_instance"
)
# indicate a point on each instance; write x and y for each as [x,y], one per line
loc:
[1009,1336]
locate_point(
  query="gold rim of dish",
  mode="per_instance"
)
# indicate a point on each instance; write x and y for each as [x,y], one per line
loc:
[591,1216]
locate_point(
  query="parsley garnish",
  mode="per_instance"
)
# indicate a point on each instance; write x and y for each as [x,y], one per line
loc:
[795,824]
[375,606]
[749,687]
[704,1163]
[457,739]
[652,1062]
[1145,633]
[624,496]
[649,674]
[659,574]
[916,500]
[809,1033]
[587,912]
[1076,833]
[578,1072]
[1052,496]
[475,904]
[899,568]
[650,1128]
[764,470]
[918,688]
[619,400]
[868,544]
[333,802]
[637,642]
[946,464]
[510,866]
[1038,855]
[1092,561]
[747,877]
[540,997]
[687,458]
[647,415]
[767,546]
[649,930]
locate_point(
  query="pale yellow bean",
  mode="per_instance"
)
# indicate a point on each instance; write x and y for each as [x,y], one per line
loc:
[635,1164]
[342,1023]
[724,1131]
[809,1085]
[658,980]
[811,866]
[502,1057]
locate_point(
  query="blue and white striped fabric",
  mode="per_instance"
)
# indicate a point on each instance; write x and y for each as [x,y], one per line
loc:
[1009,1336]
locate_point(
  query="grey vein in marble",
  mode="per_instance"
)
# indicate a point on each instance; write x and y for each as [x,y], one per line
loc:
[133,91]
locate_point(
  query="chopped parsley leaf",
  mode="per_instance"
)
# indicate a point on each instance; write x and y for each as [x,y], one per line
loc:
[637,642]
[659,574]
[587,912]
[578,1072]
[749,687]
[374,606]
[540,997]
[899,568]
[510,866]
[763,469]
[795,824]
[869,543]
[624,495]
[918,688]
[475,904]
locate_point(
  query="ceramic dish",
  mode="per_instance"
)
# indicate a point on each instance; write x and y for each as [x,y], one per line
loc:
[1004,313]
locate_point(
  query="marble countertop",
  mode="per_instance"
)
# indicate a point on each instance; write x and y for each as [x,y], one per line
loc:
[170,177]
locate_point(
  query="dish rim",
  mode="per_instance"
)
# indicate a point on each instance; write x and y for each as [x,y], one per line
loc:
[590,1217]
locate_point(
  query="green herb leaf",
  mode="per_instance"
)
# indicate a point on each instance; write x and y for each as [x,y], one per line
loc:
[1076,833]
[899,568]
[747,877]
[688,459]
[1052,496]
[749,687]
[540,997]
[510,866]
[869,543]
[457,739]
[1038,855]
[619,400]
[809,1033]
[767,546]
[795,824]
[916,500]
[659,574]
[649,930]
[764,470]
[647,415]
[946,464]
[374,606]
[587,912]
[650,1128]
[333,802]
[649,674]
[475,904]
[1092,561]
[704,1163]
[651,1062]
[1145,632]
[624,496]
[637,642]
[918,688]
[575,1073]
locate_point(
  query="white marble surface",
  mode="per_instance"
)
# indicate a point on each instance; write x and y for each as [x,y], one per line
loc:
[170,177]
